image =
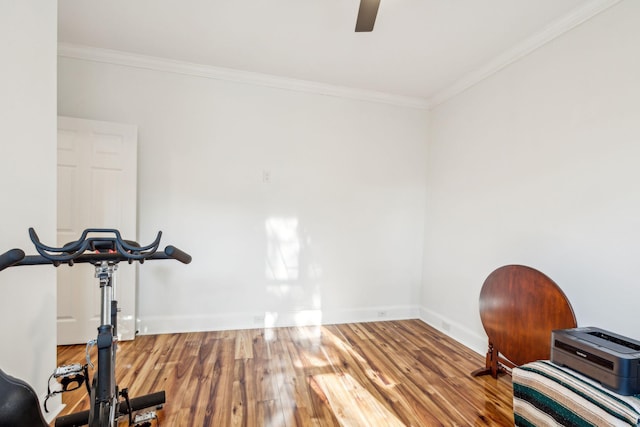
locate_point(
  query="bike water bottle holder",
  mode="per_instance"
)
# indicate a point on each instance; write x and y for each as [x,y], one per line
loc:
[87,352]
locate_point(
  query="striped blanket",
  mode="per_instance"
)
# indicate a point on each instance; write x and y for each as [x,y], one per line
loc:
[545,394]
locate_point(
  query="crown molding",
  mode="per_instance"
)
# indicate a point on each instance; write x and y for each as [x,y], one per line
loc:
[552,31]
[88,53]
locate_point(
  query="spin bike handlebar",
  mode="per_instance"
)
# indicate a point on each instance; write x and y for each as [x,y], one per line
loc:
[109,246]
[11,257]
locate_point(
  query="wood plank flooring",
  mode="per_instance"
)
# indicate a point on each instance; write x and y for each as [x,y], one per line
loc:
[395,373]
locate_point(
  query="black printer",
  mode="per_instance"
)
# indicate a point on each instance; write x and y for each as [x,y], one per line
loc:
[610,359]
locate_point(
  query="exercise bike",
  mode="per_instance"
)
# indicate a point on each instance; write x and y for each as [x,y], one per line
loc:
[104,249]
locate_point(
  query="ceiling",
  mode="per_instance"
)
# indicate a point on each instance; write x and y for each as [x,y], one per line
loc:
[417,49]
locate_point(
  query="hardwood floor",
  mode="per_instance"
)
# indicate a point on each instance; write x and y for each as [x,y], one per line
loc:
[396,373]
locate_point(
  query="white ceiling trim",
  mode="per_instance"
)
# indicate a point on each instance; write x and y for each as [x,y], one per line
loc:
[552,31]
[245,77]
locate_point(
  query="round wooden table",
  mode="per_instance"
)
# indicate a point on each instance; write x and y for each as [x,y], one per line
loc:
[519,307]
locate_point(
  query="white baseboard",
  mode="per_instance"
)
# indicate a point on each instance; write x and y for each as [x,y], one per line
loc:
[458,332]
[150,325]
[54,405]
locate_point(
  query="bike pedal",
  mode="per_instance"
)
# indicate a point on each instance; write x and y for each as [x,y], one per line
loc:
[67,370]
[144,417]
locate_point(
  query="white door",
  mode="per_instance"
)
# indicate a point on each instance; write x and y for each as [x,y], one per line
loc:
[97,180]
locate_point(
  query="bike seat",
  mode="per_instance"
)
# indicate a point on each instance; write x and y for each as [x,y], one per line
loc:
[19,404]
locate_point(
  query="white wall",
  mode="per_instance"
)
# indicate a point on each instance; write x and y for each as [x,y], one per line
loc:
[336,235]
[28,123]
[538,165]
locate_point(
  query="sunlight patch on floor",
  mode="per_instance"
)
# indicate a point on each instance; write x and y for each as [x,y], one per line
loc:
[352,404]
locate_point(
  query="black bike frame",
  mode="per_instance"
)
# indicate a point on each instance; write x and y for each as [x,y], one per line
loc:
[107,341]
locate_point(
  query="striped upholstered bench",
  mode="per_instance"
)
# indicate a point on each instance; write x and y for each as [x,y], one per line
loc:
[545,394]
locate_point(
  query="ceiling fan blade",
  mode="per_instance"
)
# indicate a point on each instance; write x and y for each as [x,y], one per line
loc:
[367,15]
